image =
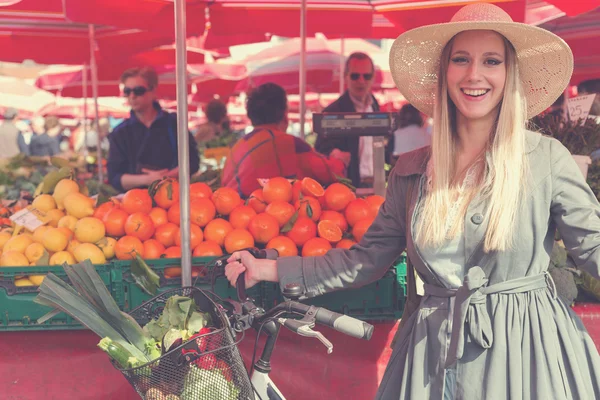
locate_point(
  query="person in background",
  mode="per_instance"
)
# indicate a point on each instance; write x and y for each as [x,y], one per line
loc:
[591,86]
[11,139]
[42,142]
[355,152]
[411,133]
[143,148]
[217,122]
[268,151]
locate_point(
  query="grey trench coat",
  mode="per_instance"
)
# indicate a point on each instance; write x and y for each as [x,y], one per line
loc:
[511,337]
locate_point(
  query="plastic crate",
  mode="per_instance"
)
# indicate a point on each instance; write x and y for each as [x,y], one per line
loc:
[18,311]
[382,300]
[132,296]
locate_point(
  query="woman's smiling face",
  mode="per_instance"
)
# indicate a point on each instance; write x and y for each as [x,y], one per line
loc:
[476,73]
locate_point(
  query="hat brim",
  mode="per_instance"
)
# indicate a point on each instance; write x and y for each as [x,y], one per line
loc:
[545,61]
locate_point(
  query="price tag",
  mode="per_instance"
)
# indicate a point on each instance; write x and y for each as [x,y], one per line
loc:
[579,107]
[30,218]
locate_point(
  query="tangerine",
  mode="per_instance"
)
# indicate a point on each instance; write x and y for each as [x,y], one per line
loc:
[216,230]
[309,207]
[240,217]
[136,200]
[153,249]
[166,193]
[139,225]
[282,211]
[356,210]
[166,233]
[296,190]
[158,216]
[304,229]
[337,196]
[263,227]
[277,188]
[208,248]
[238,239]
[257,201]
[330,231]
[315,247]
[196,236]
[127,247]
[104,208]
[360,228]
[114,222]
[311,187]
[375,201]
[284,246]
[173,252]
[174,214]
[345,244]
[202,211]
[200,190]
[226,200]
[337,217]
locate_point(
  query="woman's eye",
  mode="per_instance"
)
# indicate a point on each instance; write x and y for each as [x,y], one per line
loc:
[493,61]
[459,60]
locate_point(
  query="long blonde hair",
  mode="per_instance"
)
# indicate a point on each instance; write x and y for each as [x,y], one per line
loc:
[503,179]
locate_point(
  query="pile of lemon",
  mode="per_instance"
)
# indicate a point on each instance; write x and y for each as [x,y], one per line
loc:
[71,234]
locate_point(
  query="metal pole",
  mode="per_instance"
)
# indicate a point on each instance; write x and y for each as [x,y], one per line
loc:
[84,79]
[302,67]
[94,70]
[183,142]
[342,64]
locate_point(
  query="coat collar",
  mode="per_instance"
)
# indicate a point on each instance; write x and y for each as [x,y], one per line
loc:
[415,162]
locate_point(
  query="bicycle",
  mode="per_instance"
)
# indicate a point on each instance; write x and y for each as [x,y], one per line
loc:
[246,315]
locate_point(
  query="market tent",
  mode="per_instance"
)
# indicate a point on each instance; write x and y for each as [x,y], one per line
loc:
[23,96]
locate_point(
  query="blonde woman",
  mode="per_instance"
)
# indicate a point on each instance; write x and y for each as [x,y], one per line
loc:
[476,213]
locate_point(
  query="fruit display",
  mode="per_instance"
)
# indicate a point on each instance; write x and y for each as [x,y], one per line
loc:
[297,217]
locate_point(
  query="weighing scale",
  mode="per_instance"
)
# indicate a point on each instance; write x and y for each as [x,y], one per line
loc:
[345,125]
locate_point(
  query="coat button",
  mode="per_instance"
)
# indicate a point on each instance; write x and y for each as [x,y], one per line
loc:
[477,219]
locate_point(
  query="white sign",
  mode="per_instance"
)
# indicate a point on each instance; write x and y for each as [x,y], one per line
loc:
[579,107]
[29,218]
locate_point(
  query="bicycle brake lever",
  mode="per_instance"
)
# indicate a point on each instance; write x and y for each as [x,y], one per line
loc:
[304,328]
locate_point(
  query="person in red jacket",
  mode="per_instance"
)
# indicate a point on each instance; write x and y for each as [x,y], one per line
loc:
[268,151]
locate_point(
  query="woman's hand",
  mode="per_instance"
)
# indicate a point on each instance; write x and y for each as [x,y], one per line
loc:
[256,269]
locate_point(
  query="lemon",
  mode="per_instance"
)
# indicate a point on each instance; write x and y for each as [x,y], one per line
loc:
[89,230]
[89,251]
[68,221]
[67,232]
[73,245]
[79,205]
[44,203]
[107,245]
[17,243]
[38,234]
[54,216]
[34,252]
[61,257]
[55,240]
[63,188]
[36,279]
[23,282]
[4,236]
[13,259]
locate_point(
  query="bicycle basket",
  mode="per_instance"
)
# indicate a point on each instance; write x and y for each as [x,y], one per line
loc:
[208,367]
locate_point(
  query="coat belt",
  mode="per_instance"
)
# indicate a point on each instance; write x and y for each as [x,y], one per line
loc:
[470,310]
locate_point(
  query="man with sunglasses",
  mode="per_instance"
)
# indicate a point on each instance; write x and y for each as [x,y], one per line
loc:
[143,148]
[356,153]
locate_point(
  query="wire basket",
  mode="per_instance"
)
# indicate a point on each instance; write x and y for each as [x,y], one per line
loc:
[207,367]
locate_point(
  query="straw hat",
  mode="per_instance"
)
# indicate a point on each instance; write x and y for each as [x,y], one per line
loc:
[545,60]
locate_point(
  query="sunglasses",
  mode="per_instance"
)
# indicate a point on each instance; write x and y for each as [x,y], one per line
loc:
[138,91]
[355,76]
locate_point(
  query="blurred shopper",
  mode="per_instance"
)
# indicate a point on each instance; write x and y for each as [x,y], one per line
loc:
[42,142]
[11,139]
[411,133]
[143,148]
[217,122]
[268,151]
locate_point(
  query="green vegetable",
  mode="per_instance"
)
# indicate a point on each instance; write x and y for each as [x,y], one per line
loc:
[144,277]
[208,384]
[116,352]
[179,314]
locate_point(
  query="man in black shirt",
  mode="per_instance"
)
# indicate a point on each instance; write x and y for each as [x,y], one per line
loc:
[143,148]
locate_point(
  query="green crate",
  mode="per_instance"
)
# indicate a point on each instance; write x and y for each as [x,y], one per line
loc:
[18,312]
[125,288]
[379,301]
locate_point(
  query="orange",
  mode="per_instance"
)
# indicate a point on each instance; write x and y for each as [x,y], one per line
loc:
[173,214]
[166,193]
[337,196]
[304,229]
[284,246]
[196,236]
[296,190]
[153,249]
[208,248]
[263,227]
[309,207]
[330,231]
[360,228]
[356,210]
[127,247]
[238,239]
[158,216]
[139,225]
[200,190]
[166,233]
[173,252]
[315,247]
[277,189]
[202,211]
[240,217]
[216,230]
[114,222]
[226,200]
[257,201]
[104,208]
[282,211]
[310,187]
[375,201]
[345,244]
[172,272]
[336,217]
[136,200]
